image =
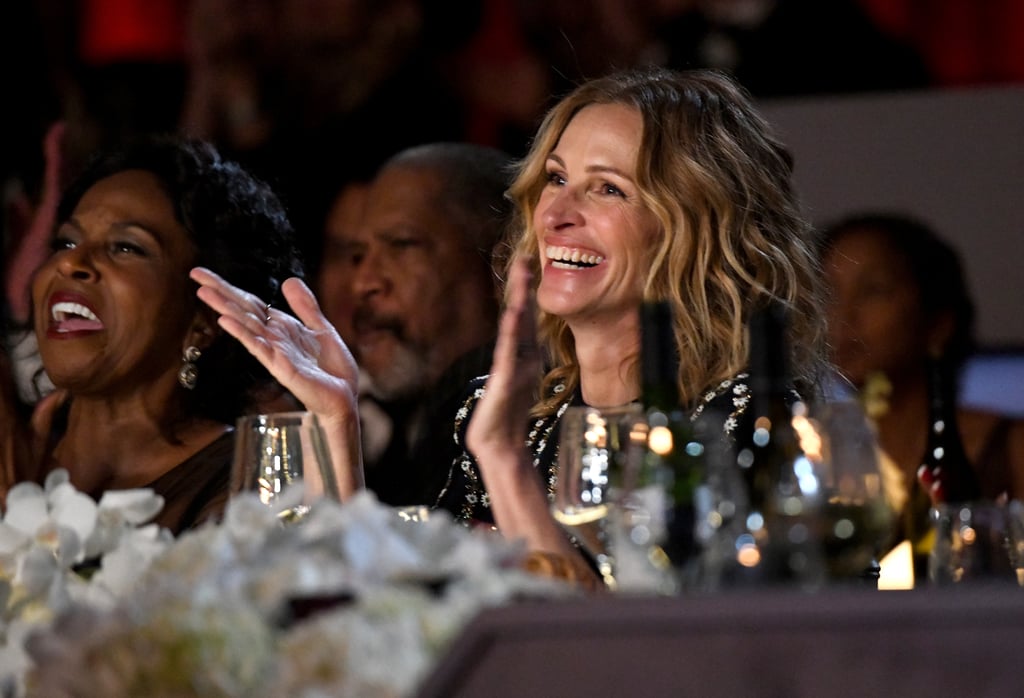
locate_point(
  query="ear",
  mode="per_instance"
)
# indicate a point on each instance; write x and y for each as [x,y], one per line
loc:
[940,333]
[203,329]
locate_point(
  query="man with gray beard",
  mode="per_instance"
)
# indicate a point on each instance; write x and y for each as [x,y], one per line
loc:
[411,289]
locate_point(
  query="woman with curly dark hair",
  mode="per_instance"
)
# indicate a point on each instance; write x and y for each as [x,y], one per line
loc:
[148,385]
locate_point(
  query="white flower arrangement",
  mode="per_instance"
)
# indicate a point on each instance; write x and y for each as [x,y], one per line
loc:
[352,600]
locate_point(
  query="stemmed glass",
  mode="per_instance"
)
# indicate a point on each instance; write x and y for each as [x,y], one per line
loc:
[275,454]
[858,518]
[978,542]
[593,449]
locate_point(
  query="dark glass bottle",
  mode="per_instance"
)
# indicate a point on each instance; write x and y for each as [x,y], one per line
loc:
[673,456]
[945,472]
[783,510]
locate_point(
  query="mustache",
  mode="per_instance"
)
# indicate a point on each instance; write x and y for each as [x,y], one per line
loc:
[366,319]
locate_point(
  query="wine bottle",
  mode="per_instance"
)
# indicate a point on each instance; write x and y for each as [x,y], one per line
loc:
[657,520]
[945,474]
[783,517]
[673,455]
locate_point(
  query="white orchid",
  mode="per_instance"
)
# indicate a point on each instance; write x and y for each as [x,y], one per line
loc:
[46,534]
[351,600]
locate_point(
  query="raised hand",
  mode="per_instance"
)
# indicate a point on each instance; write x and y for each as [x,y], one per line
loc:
[35,225]
[304,353]
[496,432]
[498,422]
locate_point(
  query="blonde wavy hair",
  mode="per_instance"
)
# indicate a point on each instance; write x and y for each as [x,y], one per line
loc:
[714,174]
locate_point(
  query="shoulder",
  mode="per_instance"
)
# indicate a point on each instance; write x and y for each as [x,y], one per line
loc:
[197,489]
[474,390]
[995,440]
[726,400]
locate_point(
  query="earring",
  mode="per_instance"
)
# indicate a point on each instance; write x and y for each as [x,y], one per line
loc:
[188,375]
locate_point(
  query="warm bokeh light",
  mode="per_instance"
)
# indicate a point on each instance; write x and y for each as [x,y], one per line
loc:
[897,568]
[660,440]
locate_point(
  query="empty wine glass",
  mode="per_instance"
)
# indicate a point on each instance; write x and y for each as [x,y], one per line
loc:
[593,447]
[275,454]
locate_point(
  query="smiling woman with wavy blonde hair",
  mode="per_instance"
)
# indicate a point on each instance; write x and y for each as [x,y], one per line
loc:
[719,183]
[644,185]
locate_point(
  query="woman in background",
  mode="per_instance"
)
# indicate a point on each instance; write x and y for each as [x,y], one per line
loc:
[900,309]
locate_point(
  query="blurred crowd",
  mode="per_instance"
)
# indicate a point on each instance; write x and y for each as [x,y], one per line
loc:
[312,94]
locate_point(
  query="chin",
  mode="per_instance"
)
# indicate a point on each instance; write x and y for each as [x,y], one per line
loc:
[559,304]
[405,375]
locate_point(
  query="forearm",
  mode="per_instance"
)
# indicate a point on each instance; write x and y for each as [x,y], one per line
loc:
[520,504]
[342,437]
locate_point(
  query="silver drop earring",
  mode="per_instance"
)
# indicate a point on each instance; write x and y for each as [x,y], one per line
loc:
[188,375]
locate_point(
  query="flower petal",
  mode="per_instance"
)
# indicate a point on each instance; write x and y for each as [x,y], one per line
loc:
[136,505]
[26,507]
[73,509]
[11,539]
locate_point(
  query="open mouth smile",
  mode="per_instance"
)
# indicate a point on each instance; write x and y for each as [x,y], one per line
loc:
[69,316]
[571,258]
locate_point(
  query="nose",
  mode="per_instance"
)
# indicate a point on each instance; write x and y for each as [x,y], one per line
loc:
[561,210]
[77,263]
[370,275]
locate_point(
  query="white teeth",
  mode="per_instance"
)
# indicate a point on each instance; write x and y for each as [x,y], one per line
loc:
[60,311]
[574,256]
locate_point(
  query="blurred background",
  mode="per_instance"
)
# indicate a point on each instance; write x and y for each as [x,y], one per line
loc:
[912,105]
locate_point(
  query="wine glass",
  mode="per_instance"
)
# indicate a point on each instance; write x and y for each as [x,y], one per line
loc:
[858,519]
[593,448]
[978,542]
[283,458]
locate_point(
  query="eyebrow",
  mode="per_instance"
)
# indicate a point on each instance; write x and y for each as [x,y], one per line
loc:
[595,168]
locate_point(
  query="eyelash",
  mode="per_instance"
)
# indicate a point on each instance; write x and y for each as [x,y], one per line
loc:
[555,178]
[605,188]
[61,243]
[129,248]
[403,243]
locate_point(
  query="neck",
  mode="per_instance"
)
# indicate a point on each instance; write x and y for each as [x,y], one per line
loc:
[608,361]
[110,445]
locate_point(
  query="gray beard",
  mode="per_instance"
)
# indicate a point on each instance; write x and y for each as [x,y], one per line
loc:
[407,376]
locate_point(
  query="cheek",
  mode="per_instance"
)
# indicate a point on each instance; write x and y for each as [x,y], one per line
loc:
[639,246]
[540,210]
[891,331]
[334,287]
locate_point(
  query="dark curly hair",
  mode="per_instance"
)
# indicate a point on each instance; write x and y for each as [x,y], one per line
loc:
[241,231]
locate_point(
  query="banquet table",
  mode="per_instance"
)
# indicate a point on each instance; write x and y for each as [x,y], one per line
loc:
[853,642]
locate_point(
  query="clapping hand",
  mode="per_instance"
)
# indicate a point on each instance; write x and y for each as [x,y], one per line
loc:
[306,356]
[498,421]
[496,432]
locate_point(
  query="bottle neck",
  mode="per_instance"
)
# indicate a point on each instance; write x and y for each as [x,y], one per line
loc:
[659,358]
[944,455]
[941,392]
[944,441]
[770,380]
